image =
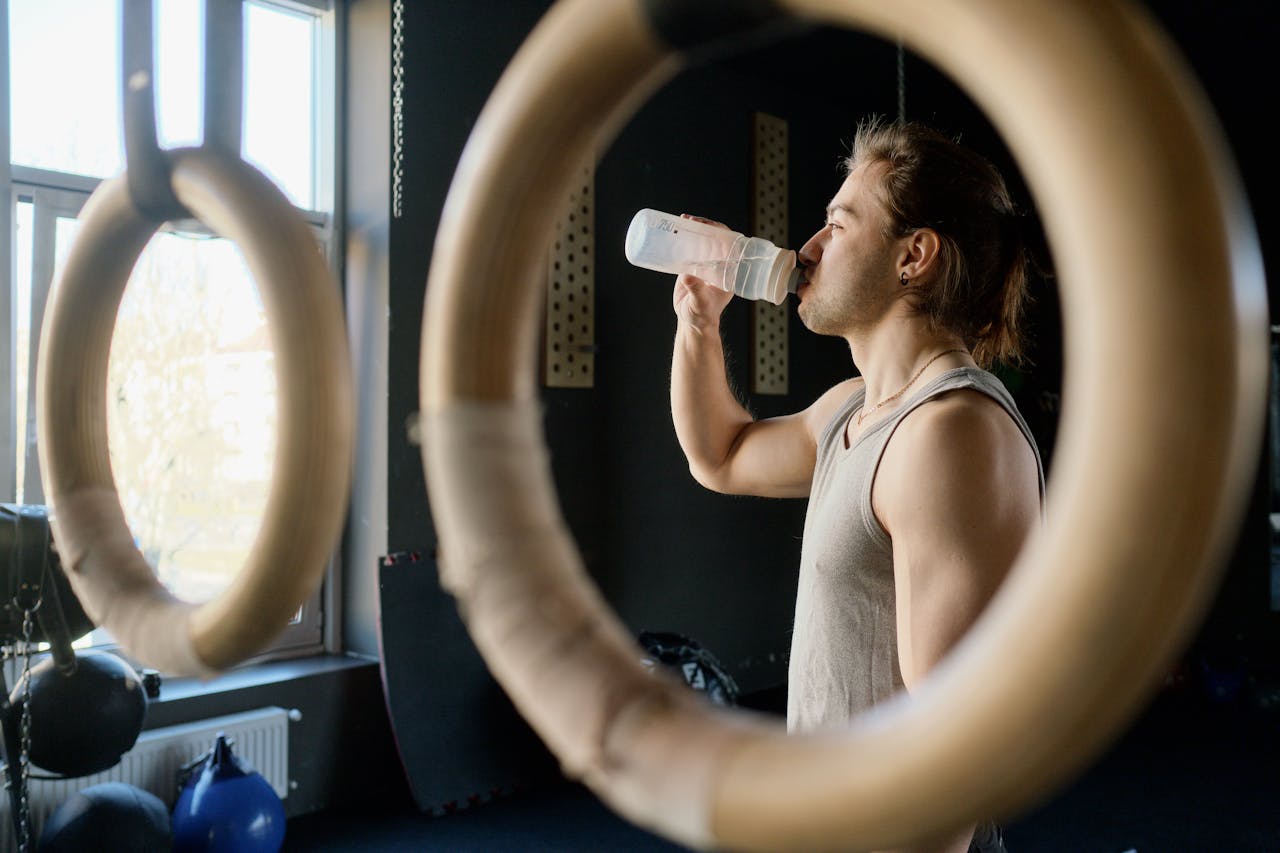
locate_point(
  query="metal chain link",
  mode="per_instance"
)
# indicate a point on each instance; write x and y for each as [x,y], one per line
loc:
[397,109]
[21,601]
[24,755]
[8,652]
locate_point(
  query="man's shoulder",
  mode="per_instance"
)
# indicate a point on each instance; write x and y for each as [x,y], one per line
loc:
[819,415]
[962,427]
[966,409]
[955,455]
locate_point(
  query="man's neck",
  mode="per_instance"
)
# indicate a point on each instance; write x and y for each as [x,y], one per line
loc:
[891,353]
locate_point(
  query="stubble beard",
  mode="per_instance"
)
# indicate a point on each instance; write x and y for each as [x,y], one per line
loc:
[840,312]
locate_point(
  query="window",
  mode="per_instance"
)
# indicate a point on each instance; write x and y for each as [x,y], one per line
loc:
[191,382]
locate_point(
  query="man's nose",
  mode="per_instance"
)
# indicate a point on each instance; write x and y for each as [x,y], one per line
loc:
[811,252]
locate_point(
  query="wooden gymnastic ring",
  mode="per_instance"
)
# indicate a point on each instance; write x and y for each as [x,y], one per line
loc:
[1164,303]
[311,474]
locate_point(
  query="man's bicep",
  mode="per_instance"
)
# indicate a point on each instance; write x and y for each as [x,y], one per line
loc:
[963,496]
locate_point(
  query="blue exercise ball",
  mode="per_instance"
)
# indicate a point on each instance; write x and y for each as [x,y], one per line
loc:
[226,807]
[111,818]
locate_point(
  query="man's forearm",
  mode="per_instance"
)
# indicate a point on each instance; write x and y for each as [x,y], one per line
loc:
[708,417]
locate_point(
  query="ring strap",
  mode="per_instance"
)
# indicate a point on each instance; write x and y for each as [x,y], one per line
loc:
[706,27]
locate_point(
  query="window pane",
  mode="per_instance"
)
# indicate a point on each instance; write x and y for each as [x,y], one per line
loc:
[279,127]
[191,410]
[24,230]
[65,95]
[179,59]
[66,102]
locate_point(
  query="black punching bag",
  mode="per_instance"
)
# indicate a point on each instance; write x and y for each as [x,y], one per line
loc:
[83,722]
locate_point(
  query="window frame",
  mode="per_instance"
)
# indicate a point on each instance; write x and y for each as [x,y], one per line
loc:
[57,195]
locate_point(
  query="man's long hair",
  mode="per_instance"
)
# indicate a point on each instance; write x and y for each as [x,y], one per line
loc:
[980,289]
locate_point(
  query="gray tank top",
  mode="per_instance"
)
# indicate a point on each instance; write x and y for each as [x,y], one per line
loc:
[844,647]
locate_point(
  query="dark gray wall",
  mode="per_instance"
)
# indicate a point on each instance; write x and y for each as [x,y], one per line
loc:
[454,54]
[1228,48]
[458,735]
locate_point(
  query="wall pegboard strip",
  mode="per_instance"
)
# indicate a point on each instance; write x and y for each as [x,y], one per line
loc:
[569,358]
[769,332]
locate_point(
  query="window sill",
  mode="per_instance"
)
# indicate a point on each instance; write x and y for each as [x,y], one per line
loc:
[277,682]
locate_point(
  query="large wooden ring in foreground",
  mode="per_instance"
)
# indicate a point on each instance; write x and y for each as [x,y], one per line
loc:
[1166,349]
[312,469]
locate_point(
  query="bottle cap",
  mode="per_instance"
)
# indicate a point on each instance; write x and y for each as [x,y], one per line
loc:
[783,277]
[793,279]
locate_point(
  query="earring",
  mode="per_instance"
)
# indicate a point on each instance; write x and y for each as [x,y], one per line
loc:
[903,278]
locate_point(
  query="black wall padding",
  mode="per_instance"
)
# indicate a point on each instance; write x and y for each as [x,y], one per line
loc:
[460,740]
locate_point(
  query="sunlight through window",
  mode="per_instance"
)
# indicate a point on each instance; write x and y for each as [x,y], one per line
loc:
[191,381]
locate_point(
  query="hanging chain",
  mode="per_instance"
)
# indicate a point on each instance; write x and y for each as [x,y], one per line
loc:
[21,600]
[24,755]
[397,109]
[8,652]
[902,85]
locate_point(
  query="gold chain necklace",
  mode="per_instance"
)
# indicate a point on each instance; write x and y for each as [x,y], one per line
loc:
[865,413]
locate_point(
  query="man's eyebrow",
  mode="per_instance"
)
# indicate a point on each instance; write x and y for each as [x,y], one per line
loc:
[843,208]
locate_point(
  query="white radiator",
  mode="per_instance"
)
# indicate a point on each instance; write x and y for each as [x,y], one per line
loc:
[261,739]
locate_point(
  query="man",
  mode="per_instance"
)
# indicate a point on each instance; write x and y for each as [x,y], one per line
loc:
[923,480]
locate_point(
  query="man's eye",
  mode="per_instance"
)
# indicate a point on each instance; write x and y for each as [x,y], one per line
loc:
[832,225]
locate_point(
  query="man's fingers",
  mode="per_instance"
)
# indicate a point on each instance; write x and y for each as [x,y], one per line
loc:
[704,219]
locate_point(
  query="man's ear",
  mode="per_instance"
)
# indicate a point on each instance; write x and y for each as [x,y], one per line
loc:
[920,250]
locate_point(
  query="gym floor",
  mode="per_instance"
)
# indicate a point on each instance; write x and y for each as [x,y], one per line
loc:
[1189,776]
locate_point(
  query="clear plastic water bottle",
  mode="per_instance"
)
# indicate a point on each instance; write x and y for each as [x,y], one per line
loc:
[751,267]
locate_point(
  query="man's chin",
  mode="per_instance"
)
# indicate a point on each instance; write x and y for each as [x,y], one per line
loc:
[811,321]
[815,325]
